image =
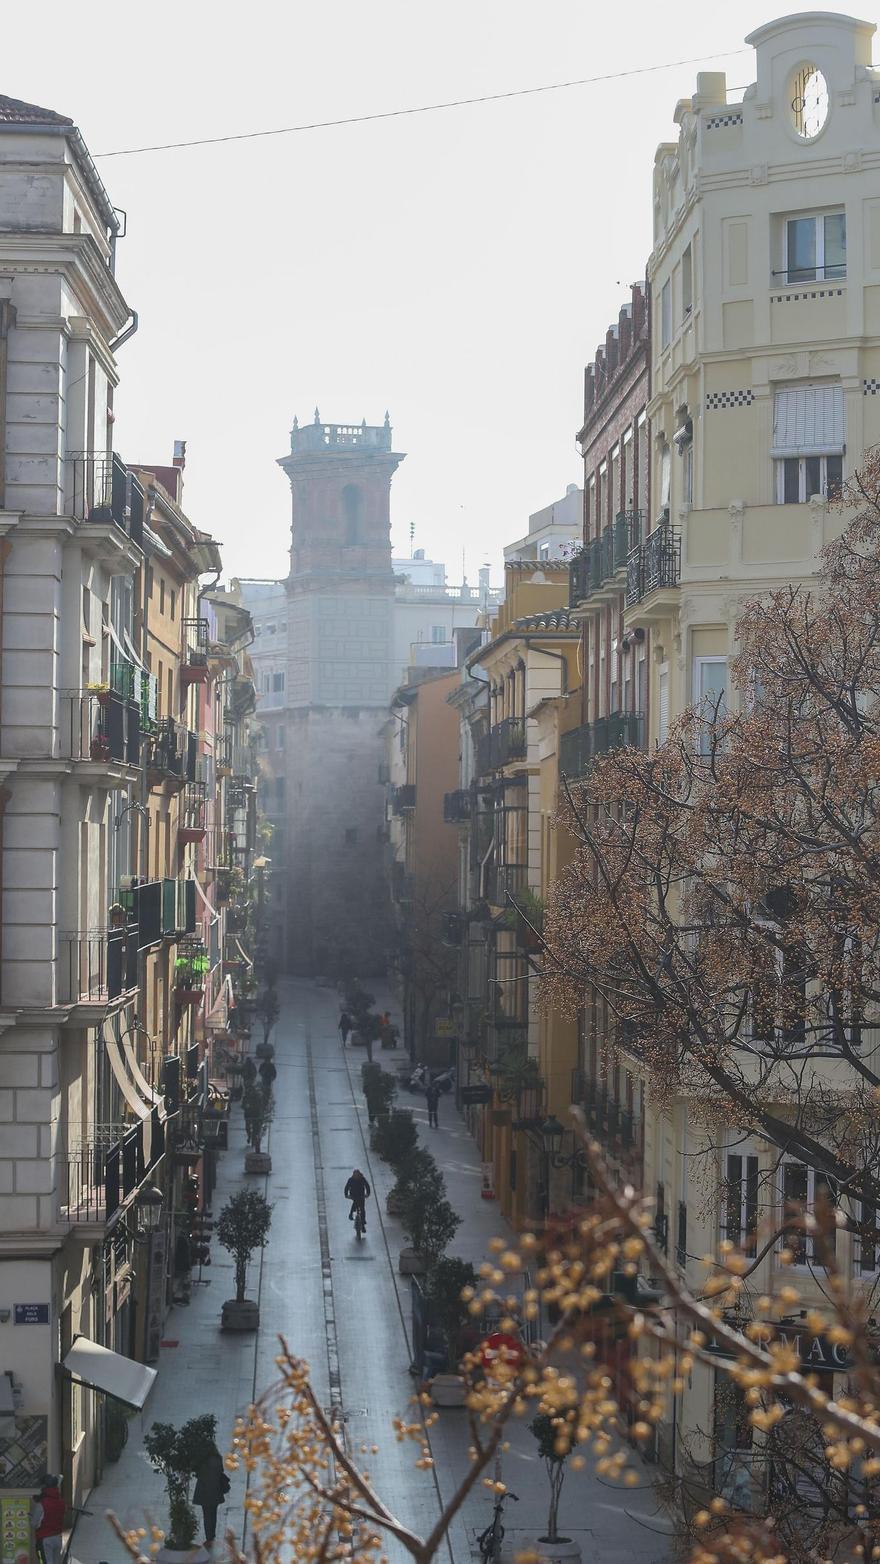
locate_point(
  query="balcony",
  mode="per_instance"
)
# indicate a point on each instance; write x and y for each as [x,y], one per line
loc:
[598,571]
[106,1167]
[223,754]
[655,565]
[178,907]
[191,825]
[219,854]
[506,879]
[98,966]
[403,799]
[457,806]
[579,578]
[502,744]
[190,971]
[173,752]
[103,491]
[194,664]
[104,729]
[579,747]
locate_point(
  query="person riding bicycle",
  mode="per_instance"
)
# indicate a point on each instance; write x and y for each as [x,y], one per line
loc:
[358,1191]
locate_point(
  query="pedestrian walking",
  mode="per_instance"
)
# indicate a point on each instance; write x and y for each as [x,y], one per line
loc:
[212,1486]
[268,1073]
[49,1520]
[248,1072]
[432,1097]
[345,1026]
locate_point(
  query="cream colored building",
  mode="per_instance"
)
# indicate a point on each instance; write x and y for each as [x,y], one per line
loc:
[765,392]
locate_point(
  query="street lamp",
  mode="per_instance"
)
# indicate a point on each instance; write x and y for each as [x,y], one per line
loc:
[552,1132]
[149,1208]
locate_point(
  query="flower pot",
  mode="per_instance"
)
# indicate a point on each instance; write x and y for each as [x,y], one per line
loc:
[257,1162]
[411,1263]
[198,1555]
[448,1390]
[564,1550]
[393,1203]
[240,1316]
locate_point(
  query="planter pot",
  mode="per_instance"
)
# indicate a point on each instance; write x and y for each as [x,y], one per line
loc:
[411,1263]
[565,1551]
[257,1162]
[197,1555]
[240,1316]
[265,1050]
[448,1390]
[393,1203]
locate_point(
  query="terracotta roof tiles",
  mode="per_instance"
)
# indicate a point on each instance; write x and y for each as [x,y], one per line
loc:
[13,111]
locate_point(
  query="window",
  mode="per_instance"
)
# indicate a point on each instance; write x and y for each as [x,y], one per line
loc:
[867,1247]
[808,95]
[739,1210]
[352,514]
[258,630]
[438,634]
[149,581]
[803,1189]
[267,683]
[710,685]
[687,283]
[808,442]
[681,1239]
[282,737]
[173,598]
[277,681]
[282,628]
[271,629]
[663,704]
[815,248]
[665,315]
[161,594]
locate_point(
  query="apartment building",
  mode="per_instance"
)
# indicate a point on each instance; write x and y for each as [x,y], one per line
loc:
[765,363]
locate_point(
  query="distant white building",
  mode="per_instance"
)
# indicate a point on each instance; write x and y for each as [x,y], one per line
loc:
[554,531]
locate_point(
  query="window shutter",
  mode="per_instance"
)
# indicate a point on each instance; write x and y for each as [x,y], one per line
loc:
[663,714]
[808,421]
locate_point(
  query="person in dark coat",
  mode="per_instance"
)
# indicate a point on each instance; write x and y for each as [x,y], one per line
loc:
[345,1026]
[249,1072]
[268,1073]
[358,1191]
[212,1486]
[432,1097]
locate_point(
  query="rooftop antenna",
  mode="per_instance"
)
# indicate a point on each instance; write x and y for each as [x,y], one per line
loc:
[412,533]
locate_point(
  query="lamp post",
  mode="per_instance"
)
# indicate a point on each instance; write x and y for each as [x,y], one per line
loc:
[149,1208]
[552,1135]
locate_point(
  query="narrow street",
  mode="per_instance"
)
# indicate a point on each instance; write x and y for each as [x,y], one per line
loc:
[342,1306]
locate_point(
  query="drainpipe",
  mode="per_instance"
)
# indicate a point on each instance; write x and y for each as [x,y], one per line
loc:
[124,335]
[7,319]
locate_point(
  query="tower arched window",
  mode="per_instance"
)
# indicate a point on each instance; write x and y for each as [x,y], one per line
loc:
[352,510]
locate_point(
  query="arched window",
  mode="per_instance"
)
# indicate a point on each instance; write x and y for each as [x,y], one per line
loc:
[352,511]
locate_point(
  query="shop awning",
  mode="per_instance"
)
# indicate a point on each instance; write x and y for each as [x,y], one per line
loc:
[110,1372]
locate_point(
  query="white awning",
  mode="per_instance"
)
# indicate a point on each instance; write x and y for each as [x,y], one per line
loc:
[243,953]
[156,1098]
[808,421]
[110,1372]
[215,916]
[124,1081]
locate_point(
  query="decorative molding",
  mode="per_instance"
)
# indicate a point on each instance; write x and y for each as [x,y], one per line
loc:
[821,363]
[716,121]
[786,368]
[727,399]
[814,293]
[871,387]
[758,173]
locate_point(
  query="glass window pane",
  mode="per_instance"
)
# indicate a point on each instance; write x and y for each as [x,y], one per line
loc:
[713,680]
[833,476]
[835,245]
[791,480]
[801,249]
[813,478]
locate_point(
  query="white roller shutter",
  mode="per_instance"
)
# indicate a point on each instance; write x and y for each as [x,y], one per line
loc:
[808,421]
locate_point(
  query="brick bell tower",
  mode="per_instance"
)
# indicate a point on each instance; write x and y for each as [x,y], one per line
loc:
[340,677]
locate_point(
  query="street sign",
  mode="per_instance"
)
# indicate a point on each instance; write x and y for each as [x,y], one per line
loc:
[31,1314]
[475,1096]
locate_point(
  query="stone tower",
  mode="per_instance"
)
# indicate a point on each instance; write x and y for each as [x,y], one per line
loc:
[340,673]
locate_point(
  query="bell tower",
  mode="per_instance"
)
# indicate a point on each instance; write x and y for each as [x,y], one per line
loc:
[339,680]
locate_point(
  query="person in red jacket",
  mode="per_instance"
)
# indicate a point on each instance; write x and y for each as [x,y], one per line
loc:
[49,1520]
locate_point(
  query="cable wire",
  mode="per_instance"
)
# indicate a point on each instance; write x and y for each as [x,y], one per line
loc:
[423,108]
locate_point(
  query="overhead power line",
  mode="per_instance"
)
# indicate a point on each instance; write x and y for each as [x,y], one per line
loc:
[422,108]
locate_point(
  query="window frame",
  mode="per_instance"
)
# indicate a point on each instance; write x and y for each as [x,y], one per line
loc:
[666,315]
[781,462]
[748,1183]
[807,1260]
[819,269]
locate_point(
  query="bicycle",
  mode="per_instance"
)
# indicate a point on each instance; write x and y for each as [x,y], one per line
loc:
[489,1542]
[360,1223]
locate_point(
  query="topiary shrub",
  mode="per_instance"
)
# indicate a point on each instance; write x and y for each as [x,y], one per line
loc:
[380,1090]
[443,1290]
[395,1136]
[178,1453]
[429,1223]
[243,1226]
[419,1168]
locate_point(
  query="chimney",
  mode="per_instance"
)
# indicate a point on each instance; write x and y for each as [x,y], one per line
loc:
[180,454]
[624,329]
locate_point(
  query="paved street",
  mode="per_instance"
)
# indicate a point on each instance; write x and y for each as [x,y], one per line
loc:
[343,1308]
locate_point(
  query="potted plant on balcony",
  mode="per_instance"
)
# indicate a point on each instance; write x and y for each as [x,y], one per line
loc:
[555,1432]
[258,1109]
[178,1453]
[242,1227]
[430,1224]
[443,1290]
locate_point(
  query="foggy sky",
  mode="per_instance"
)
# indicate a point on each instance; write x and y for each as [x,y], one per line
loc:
[458,268]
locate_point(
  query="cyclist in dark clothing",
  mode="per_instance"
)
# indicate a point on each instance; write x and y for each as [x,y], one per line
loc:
[358,1191]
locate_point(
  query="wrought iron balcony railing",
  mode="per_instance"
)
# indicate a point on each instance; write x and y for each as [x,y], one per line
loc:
[103,490]
[104,727]
[655,564]
[457,806]
[505,742]
[97,966]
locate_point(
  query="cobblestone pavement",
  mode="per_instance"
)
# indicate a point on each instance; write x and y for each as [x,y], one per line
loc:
[343,1307]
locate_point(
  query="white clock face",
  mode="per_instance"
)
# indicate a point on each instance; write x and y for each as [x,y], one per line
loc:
[809,101]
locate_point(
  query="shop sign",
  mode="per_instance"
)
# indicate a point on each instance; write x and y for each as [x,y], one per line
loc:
[445,1026]
[31,1313]
[816,1354]
[15,1531]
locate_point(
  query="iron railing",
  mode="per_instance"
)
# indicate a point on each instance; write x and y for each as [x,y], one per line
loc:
[96,966]
[581,745]
[656,563]
[579,578]
[103,490]
[174,751]
[193,804]
[403,798]
[502,744]
[195,642]
[575,752]
[457,806]
[506,879]
[103,727]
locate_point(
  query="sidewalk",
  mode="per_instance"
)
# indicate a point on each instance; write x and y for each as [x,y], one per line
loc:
[613,1525]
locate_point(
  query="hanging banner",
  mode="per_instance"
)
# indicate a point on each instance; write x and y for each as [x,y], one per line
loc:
[15,1531]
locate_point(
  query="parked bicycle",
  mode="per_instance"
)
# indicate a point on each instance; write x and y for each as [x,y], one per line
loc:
[489,1542]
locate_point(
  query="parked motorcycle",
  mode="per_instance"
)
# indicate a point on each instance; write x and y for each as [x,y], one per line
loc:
[418,1081]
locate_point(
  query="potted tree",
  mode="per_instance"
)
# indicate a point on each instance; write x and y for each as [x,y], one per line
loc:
[380,1090]
[395,1136]
[178,1453]
[555,1433]
[430,1224]
[418,1167]
[443,1290]
[242,1227]
[258,1108]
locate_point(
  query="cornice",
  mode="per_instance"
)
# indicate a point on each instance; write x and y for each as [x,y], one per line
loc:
[79,258]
